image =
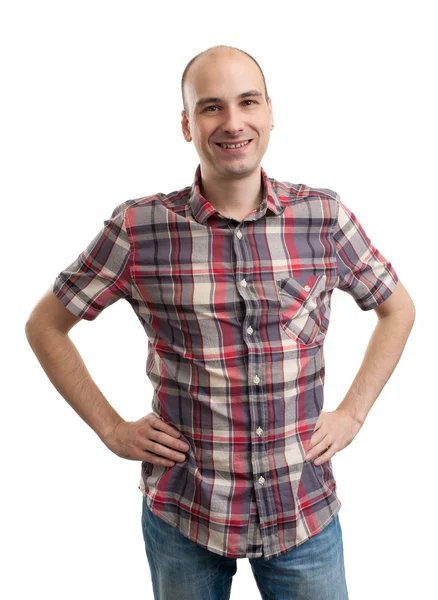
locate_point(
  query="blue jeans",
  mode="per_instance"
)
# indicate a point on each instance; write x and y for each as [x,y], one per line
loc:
[181,568]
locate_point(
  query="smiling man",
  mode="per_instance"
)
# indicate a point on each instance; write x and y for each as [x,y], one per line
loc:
[231,279]
[226,105]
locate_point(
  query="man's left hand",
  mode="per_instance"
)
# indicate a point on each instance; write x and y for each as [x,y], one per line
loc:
[333,431]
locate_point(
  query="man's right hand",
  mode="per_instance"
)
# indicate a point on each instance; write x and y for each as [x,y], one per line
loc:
[149,439]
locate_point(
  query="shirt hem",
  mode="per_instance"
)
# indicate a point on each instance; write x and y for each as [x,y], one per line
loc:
[337,507]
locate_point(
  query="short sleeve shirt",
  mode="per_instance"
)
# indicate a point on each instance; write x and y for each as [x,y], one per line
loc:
[236,314]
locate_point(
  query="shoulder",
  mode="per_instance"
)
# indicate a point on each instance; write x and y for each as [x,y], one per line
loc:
[296,191]
[145,204]
[324,199]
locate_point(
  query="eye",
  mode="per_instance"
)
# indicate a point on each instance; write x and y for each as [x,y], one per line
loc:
[207,109]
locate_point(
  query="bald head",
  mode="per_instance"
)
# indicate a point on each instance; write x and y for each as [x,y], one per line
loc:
[209,56]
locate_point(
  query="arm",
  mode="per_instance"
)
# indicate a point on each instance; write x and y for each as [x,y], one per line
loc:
[47,333]
[371,280]
[150,438]
[396,317]
[336,429]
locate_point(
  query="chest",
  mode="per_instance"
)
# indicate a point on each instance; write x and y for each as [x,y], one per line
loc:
[199,283]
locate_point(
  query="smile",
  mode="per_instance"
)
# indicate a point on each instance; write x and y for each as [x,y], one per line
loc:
[234,147]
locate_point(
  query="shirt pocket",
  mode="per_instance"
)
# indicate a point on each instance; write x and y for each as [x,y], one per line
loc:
[300,301]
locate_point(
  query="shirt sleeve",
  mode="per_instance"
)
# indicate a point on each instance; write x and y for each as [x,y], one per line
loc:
[363,271]
[100,275]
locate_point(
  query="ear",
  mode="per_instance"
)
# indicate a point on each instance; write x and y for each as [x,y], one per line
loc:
[185,126]
[270,111]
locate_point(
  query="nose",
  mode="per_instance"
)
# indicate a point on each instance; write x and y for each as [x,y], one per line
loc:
[233,122]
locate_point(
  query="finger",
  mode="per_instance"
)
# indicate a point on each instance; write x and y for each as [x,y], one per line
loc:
[324,457]
[317,441]
[317,449]
[319,422]
[168,440]
[165,451]
[157,460]
[163,426]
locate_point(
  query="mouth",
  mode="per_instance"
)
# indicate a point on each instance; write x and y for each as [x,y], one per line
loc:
[241,147]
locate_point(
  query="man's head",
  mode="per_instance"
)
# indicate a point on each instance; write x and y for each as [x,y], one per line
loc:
[226,101]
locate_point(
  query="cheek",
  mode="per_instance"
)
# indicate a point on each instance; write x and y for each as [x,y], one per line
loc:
[202,137]
[266,134]
[263,129]
[199,139]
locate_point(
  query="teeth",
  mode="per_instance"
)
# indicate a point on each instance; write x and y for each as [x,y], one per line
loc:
[234,145]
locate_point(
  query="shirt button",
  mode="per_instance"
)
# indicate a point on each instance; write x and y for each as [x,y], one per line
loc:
[259,431]
[243,283]
[256,379]
[239,234]
[261,480]
[250,330]
[307,288]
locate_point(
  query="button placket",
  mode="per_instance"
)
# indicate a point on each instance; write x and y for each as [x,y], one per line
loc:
[258,412]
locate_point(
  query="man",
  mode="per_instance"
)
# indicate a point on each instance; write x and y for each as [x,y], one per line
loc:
[231,279]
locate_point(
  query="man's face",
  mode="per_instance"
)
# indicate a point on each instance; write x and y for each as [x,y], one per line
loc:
[227,117]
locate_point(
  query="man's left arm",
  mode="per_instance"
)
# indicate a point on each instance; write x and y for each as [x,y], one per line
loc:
[336,429]
[371,280]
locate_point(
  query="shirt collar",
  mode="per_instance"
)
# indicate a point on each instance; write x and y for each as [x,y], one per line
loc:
[202,209]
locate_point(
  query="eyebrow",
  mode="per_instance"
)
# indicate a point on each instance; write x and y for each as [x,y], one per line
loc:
[209,99]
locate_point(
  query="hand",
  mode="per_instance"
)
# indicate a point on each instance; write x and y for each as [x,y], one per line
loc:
[333,431]
[150,439]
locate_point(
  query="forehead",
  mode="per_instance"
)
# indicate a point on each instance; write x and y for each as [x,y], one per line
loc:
[224,75]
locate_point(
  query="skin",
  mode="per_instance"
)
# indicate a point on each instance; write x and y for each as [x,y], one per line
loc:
[334,430]
[231,183]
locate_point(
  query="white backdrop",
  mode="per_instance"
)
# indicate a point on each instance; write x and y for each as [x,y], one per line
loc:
[90,113]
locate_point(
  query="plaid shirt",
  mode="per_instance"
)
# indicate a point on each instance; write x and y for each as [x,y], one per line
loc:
[236,314]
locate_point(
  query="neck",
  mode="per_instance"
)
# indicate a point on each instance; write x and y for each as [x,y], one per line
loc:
[233,197]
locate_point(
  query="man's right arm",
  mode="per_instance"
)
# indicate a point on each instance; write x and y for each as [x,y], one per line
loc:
[149,439]
[47,333]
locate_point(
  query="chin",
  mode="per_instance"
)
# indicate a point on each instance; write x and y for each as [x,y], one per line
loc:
[245,166]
